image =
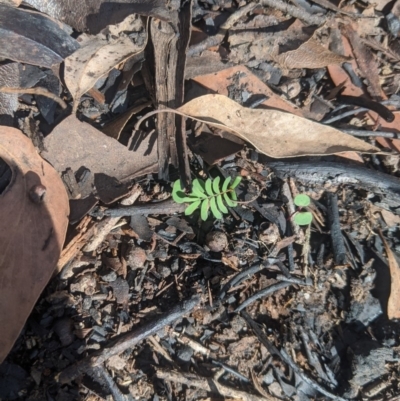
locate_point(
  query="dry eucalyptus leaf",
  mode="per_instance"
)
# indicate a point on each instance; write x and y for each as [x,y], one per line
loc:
[75,144]
[393,306]
[272,132]
[366,60]
[34,218]
[32,38]
[99,55]
[310,54]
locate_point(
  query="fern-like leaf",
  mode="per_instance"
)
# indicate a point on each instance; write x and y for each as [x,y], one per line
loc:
[208,195]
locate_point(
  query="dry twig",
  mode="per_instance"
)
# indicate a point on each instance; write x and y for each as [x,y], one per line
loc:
[35,91]
[208,384]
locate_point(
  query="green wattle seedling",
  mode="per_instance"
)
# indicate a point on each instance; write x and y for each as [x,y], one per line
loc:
[302,218]
[208,195]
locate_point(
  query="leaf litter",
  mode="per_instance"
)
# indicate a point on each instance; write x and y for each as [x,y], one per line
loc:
[259,77]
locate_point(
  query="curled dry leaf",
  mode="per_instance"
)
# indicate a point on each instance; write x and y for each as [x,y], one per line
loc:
[34,218]
[98,55]
[310,54]
[274,133]
[36,39]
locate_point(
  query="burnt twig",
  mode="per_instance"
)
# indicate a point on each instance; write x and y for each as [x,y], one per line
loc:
[163,207]
[286,358]
[339,250]
[263,293]
[339,173]
[127,340]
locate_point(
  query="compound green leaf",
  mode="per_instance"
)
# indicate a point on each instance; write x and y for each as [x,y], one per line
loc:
[303,218]
[221,204]
[236,182]
[216,185]
[204,209]
[226,183]
[191,208]
[301,200]
[214,209]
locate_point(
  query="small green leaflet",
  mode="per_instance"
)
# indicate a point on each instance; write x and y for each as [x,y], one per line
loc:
[301,200]
[303,218]
[208,195]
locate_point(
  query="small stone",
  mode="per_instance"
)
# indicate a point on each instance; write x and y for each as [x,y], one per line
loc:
[217,241]
[270,235]
[136,257]
[185,353]
[64,330]
[116,362]
[110,277]
[86,284]
[164,271]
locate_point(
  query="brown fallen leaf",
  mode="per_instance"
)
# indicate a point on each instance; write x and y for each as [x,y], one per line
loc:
[272,132]
[366,61]
[310,54]
[32,232]
[75,144]
[393,307]
[114,128]
[99,54]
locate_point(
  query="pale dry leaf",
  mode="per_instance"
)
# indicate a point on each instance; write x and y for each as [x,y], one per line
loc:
[32,232]
[99,55]
[310,54]
[272,132]
[393,307]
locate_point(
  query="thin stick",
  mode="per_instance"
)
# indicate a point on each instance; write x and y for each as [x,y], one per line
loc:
[35,91]
[127,340]
[215,40]
[294,11]
[209,384]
